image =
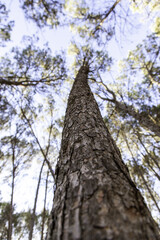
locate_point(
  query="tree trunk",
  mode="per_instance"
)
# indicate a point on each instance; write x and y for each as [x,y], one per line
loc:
[44,208]
[95,197]
[10,223]
[33,216]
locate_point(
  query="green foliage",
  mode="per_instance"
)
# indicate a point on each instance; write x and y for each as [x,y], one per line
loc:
[148,8]
[21,221]
[31,66]
[143,64]
[4,216]
[5,25]
[145,59]
[44,13]
[92,22]
[17,219]
[97,60]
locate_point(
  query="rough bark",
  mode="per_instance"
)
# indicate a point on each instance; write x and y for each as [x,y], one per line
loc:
[95,197]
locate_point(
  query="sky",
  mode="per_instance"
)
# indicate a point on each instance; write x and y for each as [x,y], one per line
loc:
[24,27]
[58,39]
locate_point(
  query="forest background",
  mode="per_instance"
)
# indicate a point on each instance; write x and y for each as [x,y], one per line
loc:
[42,46]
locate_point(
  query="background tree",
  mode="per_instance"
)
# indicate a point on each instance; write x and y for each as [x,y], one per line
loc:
[23,81]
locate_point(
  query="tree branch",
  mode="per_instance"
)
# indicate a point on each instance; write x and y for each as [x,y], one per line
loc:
[106,16]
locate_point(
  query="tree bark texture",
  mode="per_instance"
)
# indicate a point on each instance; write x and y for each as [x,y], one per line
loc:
[95,198]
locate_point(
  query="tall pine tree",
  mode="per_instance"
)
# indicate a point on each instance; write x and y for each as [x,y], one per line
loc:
[95,197]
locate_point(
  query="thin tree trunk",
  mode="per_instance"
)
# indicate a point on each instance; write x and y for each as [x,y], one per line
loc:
[149,163]
[154,159]
[38,143]
[44,208]
[142,175]
[35,204]
[12,193]
[95,197]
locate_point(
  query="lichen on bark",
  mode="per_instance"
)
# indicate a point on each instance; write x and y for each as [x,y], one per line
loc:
[95,197]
